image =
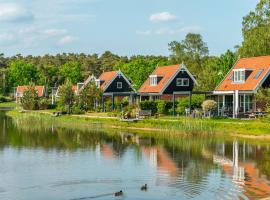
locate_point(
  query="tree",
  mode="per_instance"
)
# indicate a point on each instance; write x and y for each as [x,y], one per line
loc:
[71,71]
[21,73]
[256,31]
[66,96]
[191,50]
[140,67]
[88,97]
[29,99]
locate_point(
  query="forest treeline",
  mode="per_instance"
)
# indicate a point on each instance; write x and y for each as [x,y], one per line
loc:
[53,70]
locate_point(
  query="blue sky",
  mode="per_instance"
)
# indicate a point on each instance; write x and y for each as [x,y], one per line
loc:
[125,27]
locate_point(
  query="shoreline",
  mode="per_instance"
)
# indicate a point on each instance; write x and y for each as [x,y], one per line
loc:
[256,129]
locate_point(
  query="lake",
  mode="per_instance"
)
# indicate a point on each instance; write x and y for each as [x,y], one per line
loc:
[64,164]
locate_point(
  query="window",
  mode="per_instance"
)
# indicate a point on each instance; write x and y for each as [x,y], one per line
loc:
[119,85]
[182,82]
[153,80]
[258,74]
[239,76]
[98,83]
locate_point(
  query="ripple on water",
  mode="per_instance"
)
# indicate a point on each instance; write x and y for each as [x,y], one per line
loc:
[2,190]
[81,182]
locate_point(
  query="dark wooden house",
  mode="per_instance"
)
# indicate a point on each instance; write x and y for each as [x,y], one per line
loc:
[168,82]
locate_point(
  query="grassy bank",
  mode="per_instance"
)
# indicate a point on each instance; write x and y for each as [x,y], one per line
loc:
[252,129]
[8,104]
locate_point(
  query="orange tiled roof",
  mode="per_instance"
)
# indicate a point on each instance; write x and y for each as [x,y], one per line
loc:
[166,72]
[255,64]
[39,89]
[106,78]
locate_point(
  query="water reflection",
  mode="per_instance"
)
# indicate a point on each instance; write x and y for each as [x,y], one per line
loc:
[175,168]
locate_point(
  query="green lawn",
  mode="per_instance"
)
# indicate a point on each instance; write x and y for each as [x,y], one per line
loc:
[8,104]
[232,127]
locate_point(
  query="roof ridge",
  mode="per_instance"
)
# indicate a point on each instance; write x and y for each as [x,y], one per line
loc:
[253,57]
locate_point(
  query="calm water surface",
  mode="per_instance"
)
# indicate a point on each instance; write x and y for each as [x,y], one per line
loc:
[62,164]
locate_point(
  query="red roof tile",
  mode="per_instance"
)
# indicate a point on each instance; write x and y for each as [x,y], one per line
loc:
[106,78]
[255,64]
[39,89]
[166,72]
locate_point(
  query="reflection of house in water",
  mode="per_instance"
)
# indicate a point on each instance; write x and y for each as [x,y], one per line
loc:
[160,159]
[244,173]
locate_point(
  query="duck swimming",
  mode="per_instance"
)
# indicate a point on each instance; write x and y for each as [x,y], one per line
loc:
[117,194]
[144,187]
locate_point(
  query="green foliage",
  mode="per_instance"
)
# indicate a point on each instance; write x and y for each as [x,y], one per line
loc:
[71,71]
[43,103]
[149,105]
[77,110]
[161,107]
[263,98]
[29,100]
[66,96]
[209,105]
[4,99]
[138,68]
[183,103]
[88,96]
[21,73]
[256,32]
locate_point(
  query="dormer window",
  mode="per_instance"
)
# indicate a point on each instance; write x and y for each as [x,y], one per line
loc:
[98,83]
[153,80]
[239,76]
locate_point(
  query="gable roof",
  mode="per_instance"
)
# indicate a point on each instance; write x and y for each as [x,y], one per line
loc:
[167,74]
[40,89]
[107,78]
[254,65]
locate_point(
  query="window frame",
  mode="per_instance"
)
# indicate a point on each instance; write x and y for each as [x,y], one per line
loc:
[239,75]
[180,82]
[153,80]
[117,85]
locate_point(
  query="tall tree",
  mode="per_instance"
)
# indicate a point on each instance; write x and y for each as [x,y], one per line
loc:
[66,96]
[72,71]
[256,31]
[191,51]
[21,73]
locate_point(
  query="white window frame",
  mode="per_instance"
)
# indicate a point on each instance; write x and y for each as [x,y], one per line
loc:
[180,82]
[153,80]
[119,85]
[98,83]
[239,76]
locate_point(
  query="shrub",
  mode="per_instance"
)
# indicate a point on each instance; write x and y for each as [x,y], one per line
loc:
[161,107]
[183,103]
[209,105]
[77,110]
[149,105]
[43,104]
[29,99]
[4,99]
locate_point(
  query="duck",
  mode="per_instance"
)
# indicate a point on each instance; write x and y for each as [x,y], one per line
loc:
[144,187]
[117,194]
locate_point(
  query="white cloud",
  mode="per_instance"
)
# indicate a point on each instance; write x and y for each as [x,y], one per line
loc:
[66,40]
[162,17]
[54,32]
[170,31]
[11,12]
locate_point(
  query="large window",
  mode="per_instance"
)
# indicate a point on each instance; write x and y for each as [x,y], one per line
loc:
[182,82]
[239,76]
[153,80]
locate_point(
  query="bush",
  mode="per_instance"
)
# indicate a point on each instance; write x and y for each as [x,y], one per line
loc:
[43,104]
[161,107]
[77,110]
[4,99]
[209,105]
[149,105]
[183,103]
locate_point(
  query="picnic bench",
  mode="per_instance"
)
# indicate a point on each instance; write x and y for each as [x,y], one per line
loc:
[144,114]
